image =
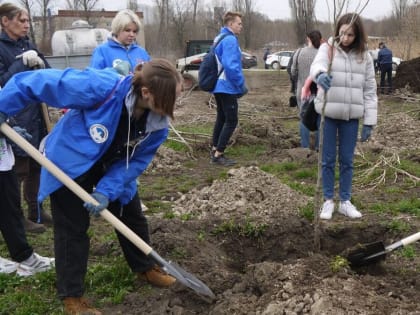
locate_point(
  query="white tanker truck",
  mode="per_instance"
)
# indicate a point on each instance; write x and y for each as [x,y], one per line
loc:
[73,47]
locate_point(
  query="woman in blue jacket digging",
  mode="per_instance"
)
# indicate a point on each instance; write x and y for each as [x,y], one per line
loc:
[104,142]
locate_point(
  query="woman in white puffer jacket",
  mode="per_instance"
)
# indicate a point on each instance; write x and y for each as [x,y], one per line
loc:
[351,96]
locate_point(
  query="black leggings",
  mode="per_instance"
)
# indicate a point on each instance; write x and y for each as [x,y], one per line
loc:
[226,120]
[71,241]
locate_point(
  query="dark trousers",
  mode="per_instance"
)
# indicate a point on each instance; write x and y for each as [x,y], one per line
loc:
[71,241]
[386,71]
[28,172]
[226,120]
[11,220]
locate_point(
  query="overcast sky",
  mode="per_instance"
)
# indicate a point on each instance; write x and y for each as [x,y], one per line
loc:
[279,9]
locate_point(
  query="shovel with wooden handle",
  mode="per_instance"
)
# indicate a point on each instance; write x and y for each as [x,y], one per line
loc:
[366,254]
[173,269]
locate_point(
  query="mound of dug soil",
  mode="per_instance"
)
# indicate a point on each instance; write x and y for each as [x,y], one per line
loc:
[408,75]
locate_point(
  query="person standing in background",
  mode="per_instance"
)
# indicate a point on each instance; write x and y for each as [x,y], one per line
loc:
[347,101]
[121,50]
[301,65]
[19,54]
[229,87]
[25,262]
[122,45]
[266,53]
[385,65]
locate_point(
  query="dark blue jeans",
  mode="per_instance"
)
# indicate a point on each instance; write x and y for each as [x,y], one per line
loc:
[386,71]
[71,241]
[226,119]
[11,219]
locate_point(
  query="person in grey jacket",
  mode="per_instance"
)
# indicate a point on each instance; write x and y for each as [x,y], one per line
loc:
[351,88]
[302,60]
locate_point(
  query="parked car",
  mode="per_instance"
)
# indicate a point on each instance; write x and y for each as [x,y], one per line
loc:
[248,60]
[279,60]
[194,54]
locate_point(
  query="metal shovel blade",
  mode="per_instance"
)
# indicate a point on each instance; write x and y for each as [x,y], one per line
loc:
[374,252]
[184,277]
[366,254]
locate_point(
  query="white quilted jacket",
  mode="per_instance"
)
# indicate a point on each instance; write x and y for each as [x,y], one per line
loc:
[353,87]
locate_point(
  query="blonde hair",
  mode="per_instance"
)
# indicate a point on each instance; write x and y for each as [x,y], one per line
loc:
[122,19]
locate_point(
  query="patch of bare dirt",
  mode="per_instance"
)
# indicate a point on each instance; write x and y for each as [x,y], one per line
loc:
[247,240]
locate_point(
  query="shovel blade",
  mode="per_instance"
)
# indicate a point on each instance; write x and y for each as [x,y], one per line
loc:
[184,277]
[191,281]
[366,254]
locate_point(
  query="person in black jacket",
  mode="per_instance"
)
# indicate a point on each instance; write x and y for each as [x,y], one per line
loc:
[18,54]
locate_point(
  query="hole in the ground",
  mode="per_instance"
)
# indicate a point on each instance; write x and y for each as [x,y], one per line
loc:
[294,240]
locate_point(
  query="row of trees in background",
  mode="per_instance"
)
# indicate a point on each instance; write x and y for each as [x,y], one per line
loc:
[176,21]
[180,24]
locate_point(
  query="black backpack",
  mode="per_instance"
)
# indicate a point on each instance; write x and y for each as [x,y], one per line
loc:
[208,72]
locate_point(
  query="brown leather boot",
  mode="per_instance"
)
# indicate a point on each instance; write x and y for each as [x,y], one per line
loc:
[32,227]
[78,306]
[157,277]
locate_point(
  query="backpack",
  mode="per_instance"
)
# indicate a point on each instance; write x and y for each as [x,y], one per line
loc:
[208,72]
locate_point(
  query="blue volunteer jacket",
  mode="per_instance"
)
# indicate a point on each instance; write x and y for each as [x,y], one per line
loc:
[104,55]
[384,56]
[231,80]
[84,133]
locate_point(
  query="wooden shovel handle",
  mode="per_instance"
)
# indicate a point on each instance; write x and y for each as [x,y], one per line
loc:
[74,187]
[46,116]
[411,239]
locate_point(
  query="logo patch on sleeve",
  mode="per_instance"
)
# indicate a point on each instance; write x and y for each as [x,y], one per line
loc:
[99,133]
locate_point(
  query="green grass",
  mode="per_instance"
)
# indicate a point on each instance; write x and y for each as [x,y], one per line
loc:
[194,134]
[246,229]
[163,186]
[408,252]
[245,152]
[409,206]
[307,211]
[32,295]
[298,176]
[110,281]
[339,263]
[398,226]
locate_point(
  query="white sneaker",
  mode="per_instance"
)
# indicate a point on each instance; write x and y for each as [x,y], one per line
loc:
[327,210]
[349,210]
[34,264]
[7,266]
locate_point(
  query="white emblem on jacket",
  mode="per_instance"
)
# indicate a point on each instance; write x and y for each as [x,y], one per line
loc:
[98,133]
